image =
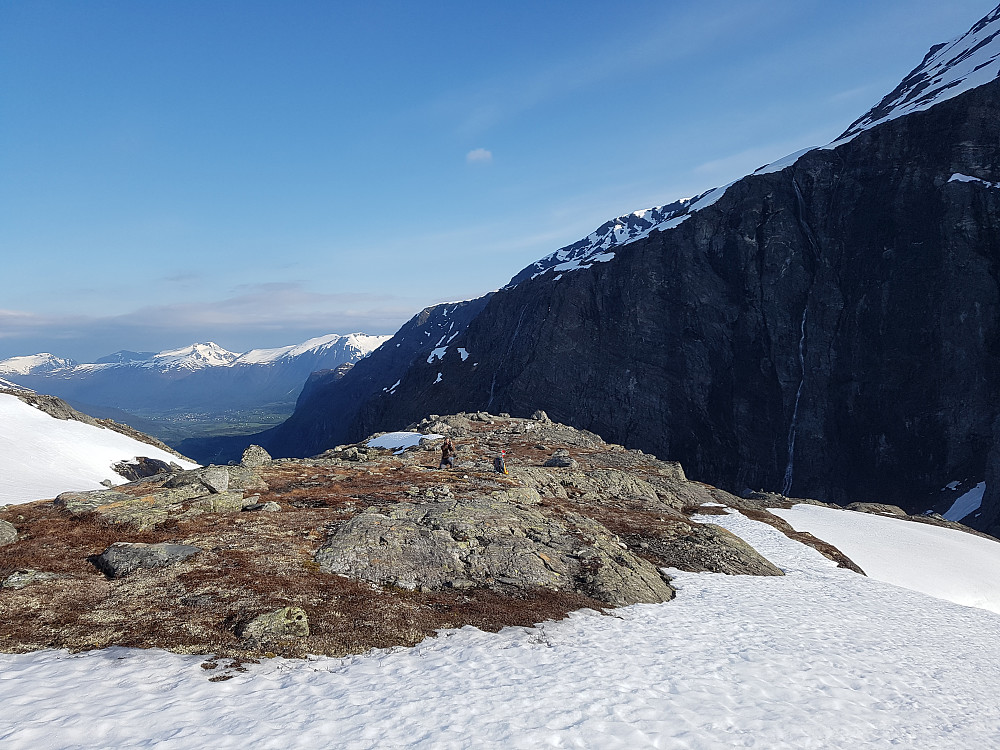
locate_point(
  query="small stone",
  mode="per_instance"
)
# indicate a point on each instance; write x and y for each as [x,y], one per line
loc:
[287,622]
[540,416]
[255,456]
[107,483]
[268,507]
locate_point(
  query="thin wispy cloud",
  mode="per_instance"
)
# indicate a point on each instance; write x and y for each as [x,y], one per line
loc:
[626,53]
[479,156]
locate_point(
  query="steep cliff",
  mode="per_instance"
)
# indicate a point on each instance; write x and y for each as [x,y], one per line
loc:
[826,327]
[828,330]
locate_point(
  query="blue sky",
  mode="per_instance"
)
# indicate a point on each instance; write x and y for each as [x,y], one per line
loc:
[256,173]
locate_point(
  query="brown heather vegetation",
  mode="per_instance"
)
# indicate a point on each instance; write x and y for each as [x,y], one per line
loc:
[257,562]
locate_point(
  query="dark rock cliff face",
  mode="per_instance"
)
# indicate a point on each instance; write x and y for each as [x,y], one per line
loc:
[829,330]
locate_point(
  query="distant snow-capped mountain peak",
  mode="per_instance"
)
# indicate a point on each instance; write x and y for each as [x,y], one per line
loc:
[34,364]
[361,343]
[193,357]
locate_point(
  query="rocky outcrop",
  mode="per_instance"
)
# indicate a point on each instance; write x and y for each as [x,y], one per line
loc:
[488,542]
[143,467]
[148,503]
[712,549]
[826,330]
[368,553]
[124,558]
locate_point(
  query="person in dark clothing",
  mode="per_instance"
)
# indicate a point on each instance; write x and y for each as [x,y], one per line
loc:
[447,454]
[500,463]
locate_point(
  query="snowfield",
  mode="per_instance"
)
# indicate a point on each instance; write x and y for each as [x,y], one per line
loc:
[819,658]
[896,551]
[41,456]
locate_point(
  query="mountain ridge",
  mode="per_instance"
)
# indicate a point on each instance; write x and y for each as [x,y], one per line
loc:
[736,314]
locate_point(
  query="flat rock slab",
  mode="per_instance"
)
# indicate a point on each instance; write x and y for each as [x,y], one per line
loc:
[492,543]
[124,558]
[19,579]
[8,534]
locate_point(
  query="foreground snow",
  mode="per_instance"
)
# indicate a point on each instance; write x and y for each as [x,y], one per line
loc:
[945,563]
[41,456]
[819,658]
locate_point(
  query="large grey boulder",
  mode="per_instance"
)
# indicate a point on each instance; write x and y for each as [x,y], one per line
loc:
[488,542]
[8,534]
[124,558]
[254,457]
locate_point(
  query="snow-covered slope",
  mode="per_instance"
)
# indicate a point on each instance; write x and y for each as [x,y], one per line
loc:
[818,658]
[936,561]
[41,456]
[599,245]
[948,69]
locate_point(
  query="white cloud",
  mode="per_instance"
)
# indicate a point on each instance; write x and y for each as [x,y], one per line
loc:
[479,156]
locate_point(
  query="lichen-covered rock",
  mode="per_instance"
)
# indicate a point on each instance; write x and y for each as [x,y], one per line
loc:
[709,548]
[19,579]
[8,534]
[287,622]
[224,502]
[124,558]
[488,542]
[561,459]
[144,511]
[254,457]
[268,507]
[141,467]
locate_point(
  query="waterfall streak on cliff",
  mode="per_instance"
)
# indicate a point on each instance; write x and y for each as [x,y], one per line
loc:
[787,488]
[510,348]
